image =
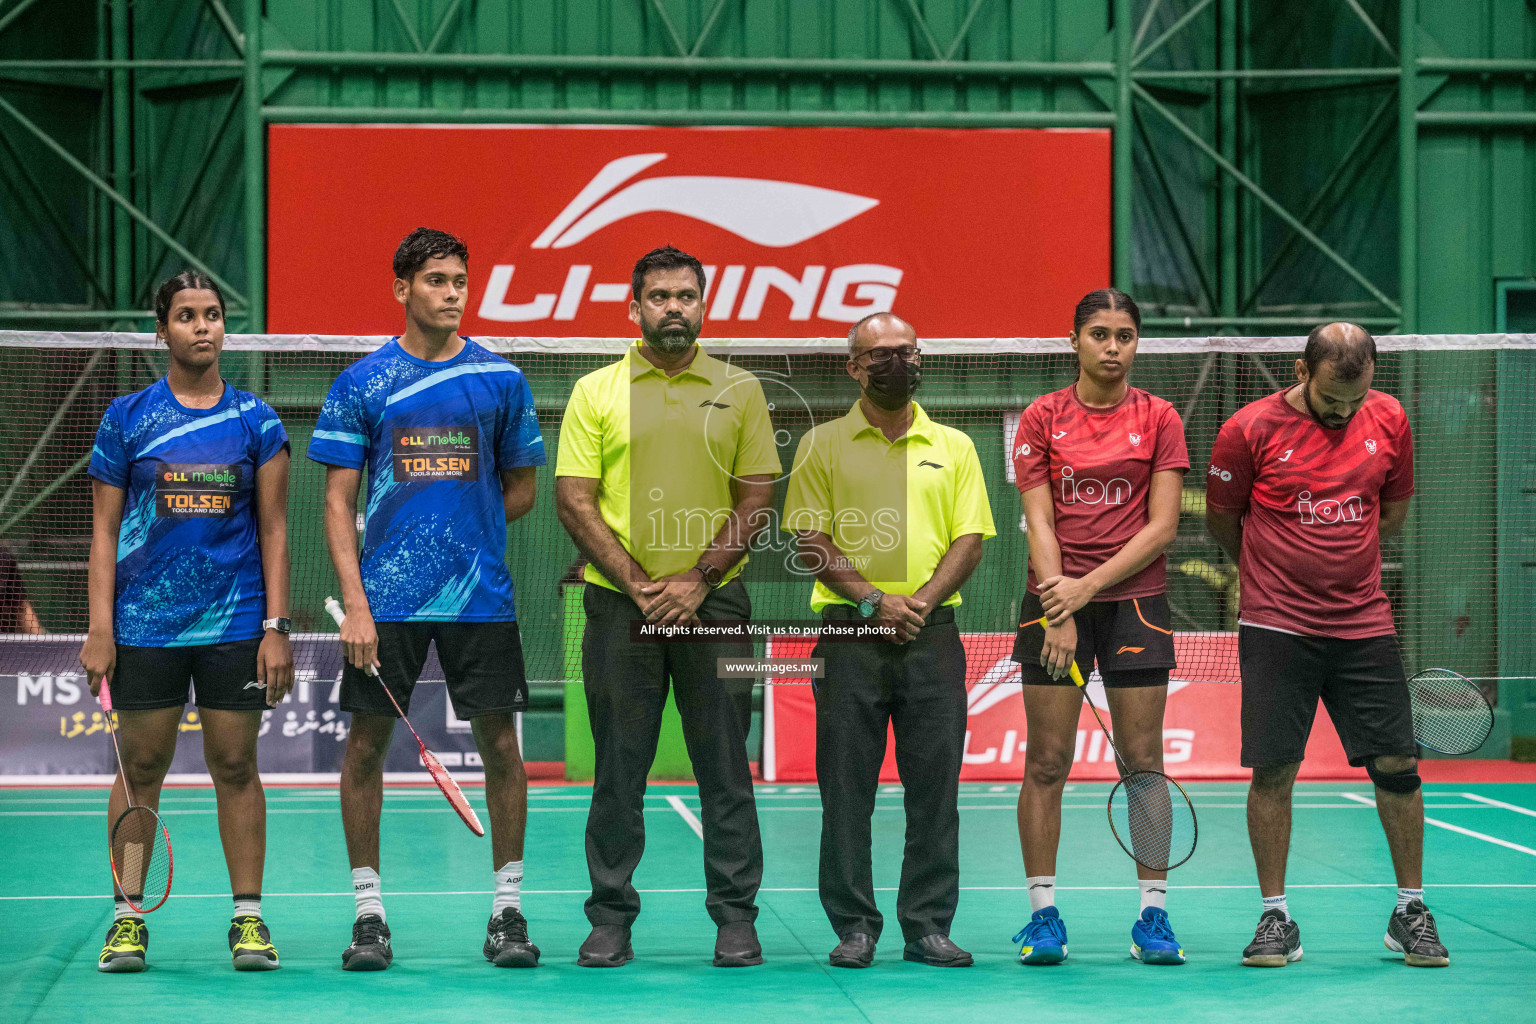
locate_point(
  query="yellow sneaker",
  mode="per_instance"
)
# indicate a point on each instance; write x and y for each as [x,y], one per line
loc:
[127,943]
[250,945]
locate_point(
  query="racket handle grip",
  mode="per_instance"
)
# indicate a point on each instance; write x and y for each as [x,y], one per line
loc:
[105,696]
[1077,677]
[334,607]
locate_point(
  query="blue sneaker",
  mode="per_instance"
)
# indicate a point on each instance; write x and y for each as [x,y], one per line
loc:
[1152,939]
[1044,938]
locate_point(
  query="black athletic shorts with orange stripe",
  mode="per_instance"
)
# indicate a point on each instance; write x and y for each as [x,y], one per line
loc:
[1131,642]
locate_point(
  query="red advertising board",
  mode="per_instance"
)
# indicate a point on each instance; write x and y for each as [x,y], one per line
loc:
[965,232]
[1201,735]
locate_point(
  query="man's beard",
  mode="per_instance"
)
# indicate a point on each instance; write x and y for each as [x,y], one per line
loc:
[1306,397]
[671,342]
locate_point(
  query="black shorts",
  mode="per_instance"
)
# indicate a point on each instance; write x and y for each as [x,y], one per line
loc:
[482,662]
[1361,683]
[224,676]
[1131,641]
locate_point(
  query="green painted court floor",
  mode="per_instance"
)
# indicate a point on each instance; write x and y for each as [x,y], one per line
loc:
[1480,876]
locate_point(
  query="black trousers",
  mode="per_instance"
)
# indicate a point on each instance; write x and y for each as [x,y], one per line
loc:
[919,688]
[626,686]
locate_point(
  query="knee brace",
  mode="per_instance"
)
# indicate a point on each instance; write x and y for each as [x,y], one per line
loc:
[1393,782]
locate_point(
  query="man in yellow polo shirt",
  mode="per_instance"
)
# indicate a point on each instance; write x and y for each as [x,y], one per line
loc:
[666,463]
[891,510]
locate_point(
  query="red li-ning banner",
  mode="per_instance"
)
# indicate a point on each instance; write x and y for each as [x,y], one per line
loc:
[1202,738]
[965,232]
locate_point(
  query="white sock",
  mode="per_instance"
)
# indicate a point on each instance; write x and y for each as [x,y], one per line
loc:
[370,895]
[509,884]
[121,909]
[1405,895]
[1277,903]
[1042,891]
[1154,892]
[247,905]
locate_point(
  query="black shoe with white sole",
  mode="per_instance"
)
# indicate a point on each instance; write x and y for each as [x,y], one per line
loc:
[1411,932]
[1276,942]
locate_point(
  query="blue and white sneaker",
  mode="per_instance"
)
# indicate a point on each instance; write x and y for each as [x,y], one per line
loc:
[1044,939]
[1152,939]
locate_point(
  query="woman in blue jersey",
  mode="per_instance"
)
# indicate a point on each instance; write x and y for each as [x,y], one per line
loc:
[189,585]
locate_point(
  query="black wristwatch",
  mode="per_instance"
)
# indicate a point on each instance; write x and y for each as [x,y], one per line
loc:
[282,625]
[712,577]
[869,604]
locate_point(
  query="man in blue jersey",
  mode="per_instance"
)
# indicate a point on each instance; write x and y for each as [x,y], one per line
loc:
[447,433]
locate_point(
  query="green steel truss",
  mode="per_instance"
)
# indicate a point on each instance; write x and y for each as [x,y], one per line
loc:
[137,147]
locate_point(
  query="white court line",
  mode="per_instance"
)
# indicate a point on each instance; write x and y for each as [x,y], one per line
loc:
[968,888]
[1500,803]
[687,815]
[676,803]
[1367,801]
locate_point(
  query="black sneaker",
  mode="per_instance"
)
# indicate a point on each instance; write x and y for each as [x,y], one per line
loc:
[250,945]
[125,948]
[1411,932]
[1276,942]
[506,941]
[370,949]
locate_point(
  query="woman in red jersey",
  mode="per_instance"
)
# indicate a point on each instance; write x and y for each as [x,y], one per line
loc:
[1100,466]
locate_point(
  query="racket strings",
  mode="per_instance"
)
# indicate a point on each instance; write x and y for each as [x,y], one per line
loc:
[1450,713]
[141,858]
[1153,820]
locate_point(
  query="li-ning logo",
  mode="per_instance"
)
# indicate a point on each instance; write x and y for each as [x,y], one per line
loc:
[1370,445]
[1327,511]
[774,214]
[1093,492]
[1133,650]
[769,213]
[1225,476]
[935,465]
[1135,439]
[717,405]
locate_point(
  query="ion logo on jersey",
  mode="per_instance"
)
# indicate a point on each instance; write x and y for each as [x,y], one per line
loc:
[436,453]
[195,489]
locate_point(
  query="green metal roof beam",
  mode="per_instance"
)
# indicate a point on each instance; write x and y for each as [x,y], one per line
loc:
[405,25]
[1346,164]
[443,25]
[1183,232]
[672,34]
[1265,198]
[1172,31]
[1477,66]
[66,234]
[221,15]
[1256,74]
[527,115]
[921,22]
[965,29]
[127,64]
[592,64]
[14,13]
[1372,28]
[1476,118]
[709,27]
[117,197]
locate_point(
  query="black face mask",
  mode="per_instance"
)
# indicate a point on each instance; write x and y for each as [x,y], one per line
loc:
[890,385]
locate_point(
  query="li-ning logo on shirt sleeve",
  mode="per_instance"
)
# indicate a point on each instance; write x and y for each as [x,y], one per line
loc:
[195,489]
[436,453]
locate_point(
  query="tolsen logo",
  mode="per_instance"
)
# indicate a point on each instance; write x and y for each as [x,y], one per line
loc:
[429,454]
[196,489]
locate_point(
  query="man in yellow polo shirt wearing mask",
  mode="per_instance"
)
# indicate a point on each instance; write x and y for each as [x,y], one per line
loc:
[665,468]
[891,510]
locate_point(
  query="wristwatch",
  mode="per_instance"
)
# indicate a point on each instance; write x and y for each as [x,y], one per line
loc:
[869,604]
[281,625]
[712,577]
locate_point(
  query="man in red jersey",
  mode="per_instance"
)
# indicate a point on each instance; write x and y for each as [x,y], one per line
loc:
[1302,487]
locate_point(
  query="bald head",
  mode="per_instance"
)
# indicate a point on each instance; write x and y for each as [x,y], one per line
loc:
[878,327]
[1347,348]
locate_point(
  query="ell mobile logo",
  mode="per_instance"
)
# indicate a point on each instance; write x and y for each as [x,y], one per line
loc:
[763,211]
